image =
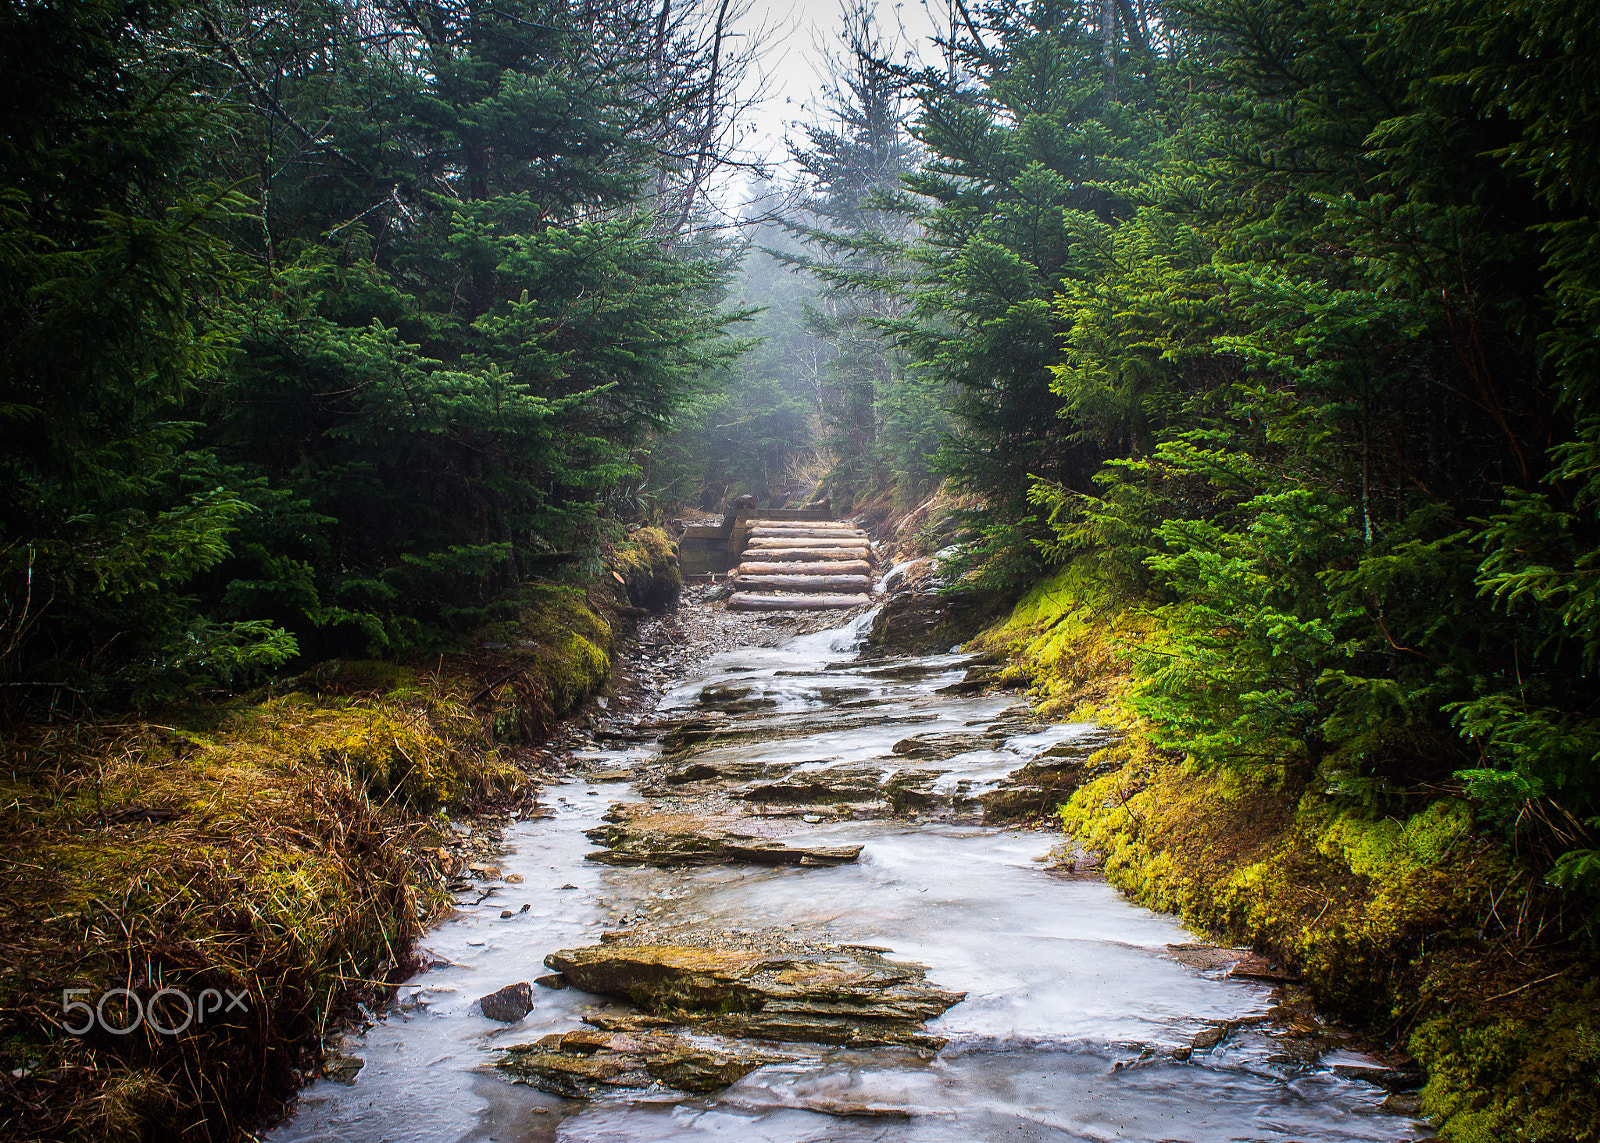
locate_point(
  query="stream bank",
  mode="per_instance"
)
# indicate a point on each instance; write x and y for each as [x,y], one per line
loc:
[286,847]
[1406,919]
[770,908]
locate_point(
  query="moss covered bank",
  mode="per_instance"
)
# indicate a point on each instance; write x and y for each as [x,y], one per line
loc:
[282,849]
[1403,917]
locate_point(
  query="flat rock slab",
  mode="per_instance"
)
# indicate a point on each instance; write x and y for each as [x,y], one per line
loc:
[832,784]
[639,836]
[781,853]
[938,747]
[910,789]
[776,1024]
[584,1063]
[853,1109]
[733,698]
[723,772]
[749,601]
[904,671]
[716,729]
[843,995]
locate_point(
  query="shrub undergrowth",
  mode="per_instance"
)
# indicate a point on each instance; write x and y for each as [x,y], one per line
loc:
[1400,910]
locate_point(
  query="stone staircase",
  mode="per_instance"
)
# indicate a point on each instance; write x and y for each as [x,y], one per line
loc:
[802,565]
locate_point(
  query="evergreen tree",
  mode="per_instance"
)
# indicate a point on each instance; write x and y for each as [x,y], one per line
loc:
[1029,148]
[1329,357]
[467,325]
[878,423]
[339,321]
[113,267]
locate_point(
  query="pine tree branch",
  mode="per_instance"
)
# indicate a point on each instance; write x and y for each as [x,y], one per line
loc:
[265,98]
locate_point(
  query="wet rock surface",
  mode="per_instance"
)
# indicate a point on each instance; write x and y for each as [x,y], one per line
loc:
[509,1004]
[711,756]
[801,923]
[921,618]
[582,1064]
[831,995]
[341,1068]
[1033,792]
[640,834]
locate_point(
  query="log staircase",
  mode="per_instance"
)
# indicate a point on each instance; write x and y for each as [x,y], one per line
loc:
[802,565]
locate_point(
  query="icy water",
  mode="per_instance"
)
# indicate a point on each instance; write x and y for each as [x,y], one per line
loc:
[1074,999]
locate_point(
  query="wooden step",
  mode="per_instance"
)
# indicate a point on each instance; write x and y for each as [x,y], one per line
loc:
[805,583]
[801,542]
[771,522]
[750,601]
[806,533]
[783,555]
[832,567]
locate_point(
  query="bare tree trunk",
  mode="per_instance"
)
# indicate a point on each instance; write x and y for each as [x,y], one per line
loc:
[1108,46]
[713,113]
[1134,26]
[658,69]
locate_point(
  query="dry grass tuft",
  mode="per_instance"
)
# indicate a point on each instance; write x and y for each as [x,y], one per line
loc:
[270,857]
[286,849]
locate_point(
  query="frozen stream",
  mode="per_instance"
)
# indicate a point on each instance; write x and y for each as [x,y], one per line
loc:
[1074,1004]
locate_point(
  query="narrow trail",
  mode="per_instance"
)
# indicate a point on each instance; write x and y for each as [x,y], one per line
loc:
[765,908]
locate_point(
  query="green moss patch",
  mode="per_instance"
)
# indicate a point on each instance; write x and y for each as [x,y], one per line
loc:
[1406,920]
[149,859]
[647,568]
[1064,637]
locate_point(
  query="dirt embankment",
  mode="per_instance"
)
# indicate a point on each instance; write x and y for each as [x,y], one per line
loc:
[189,901]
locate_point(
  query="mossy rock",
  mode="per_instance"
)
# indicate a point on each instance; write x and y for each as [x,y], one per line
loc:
[355,677]
[923,622]
[554,655]
[647,566]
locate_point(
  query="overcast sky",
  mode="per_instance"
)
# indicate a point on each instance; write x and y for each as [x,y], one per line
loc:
[790,63]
